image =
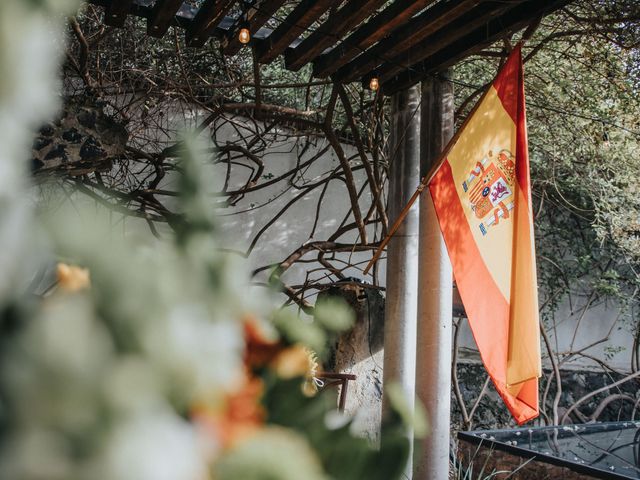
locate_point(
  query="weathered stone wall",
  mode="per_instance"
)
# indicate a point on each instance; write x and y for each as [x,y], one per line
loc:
[491,412]
[359,352]
[82,140]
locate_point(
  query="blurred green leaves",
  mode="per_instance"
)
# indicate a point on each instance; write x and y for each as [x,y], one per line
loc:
[343,455]
[334,314]
[273,454]
[110,375]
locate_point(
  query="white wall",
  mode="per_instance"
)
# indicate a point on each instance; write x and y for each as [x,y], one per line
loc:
[241,223]
[596,333]
[569,330]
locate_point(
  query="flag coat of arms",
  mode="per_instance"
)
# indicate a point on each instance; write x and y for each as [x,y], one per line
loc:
[482,198]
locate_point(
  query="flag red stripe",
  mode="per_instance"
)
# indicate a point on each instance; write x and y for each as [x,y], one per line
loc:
[486,307]
[506,84]
[509,85]
[484,303]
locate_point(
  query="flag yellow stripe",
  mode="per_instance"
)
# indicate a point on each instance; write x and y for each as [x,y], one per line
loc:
[487,309]
[490,130]
[523,359]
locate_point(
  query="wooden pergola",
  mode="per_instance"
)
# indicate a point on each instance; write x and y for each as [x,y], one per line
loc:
[400,42]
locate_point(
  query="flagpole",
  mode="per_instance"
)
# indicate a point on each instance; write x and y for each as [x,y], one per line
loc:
[424,183]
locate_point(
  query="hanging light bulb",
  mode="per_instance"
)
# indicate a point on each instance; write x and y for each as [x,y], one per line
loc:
[244,36]
[374,84]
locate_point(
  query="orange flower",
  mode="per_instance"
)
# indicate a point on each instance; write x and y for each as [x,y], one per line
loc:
[260,349]
[297,361]
[292,362]
[72,278]
[239,417]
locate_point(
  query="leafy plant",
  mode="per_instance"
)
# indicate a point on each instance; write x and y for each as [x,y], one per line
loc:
[151,359]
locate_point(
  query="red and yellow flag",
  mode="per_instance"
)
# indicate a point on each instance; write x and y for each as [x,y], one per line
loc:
[482,197]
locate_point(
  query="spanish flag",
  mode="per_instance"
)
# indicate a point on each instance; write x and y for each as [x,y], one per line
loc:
[482,198]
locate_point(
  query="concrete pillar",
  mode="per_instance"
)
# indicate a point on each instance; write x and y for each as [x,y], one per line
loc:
[433,353]
[402,251]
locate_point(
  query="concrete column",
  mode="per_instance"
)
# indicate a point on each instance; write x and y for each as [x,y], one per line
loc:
[402,251]
[433,353]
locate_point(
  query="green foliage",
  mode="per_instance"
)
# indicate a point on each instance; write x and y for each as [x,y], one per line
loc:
[274,454]
[410,414]
[113,375]
[334,314]
[294,330]
[344,457]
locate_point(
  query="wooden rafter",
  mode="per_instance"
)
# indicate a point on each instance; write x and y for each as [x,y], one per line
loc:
[116,13]
[401,45]
[404,38]
[331,31]
[307,12]
[456,29]
[475,41]
[161,17]
[206,20]
[257,16]
[379,27]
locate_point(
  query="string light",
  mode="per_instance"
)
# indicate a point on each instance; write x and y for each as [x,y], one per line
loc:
[244,36]
[374,84]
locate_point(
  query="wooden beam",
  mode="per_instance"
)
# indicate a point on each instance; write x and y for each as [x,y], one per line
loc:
[116,13]
[135,9]
[458,28]
[307,12]
[482,37]
[380,26]
[162,15]
[257,17]
[206,20]
[404,38]
[331,32]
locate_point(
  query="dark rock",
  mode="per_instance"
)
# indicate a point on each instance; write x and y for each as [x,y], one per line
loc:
[87,118]
[40,142]
[59,151]
[92,150]
[36,164]
[81,139]
[111,132]
[72,136]
[47,130]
